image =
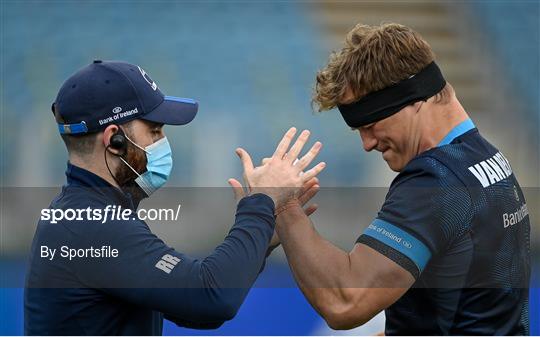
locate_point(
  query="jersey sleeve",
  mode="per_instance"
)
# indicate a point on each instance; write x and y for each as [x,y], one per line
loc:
[426,208]
[193,292]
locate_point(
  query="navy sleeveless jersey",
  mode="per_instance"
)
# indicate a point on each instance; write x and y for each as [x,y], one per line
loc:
[457,220]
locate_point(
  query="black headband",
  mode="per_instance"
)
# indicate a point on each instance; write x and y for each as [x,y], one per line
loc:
[385,102]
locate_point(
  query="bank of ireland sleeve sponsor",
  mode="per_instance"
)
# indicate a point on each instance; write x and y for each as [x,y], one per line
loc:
[400,240]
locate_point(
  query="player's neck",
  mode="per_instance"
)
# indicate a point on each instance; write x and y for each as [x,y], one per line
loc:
[445,118]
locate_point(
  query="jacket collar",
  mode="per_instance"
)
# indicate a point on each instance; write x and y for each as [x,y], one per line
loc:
[79,177]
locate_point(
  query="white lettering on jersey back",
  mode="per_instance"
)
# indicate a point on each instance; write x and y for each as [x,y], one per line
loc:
[496,168]
[491,170]
[493,178]
[503,162]
[479,174]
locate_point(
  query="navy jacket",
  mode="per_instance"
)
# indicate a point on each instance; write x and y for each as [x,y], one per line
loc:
[131,293]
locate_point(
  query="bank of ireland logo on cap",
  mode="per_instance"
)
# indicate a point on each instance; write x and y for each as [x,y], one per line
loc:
[113,92]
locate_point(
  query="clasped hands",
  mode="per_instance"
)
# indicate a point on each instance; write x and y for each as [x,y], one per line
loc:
[282,176]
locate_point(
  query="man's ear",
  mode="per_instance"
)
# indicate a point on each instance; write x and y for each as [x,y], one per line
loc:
[110,131]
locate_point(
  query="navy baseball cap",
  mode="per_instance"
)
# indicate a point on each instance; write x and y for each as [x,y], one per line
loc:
[113,92]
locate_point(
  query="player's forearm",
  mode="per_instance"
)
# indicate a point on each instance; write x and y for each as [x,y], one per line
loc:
[321,270]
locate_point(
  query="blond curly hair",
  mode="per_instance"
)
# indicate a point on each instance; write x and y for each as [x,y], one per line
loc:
[373,57]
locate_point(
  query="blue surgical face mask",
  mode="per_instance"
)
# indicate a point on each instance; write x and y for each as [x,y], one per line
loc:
[158,165]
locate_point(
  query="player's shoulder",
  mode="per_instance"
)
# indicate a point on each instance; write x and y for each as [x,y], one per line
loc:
[425,170]
[464,150]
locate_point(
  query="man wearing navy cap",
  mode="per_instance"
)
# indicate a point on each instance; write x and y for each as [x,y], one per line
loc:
[110,116]
[448,252]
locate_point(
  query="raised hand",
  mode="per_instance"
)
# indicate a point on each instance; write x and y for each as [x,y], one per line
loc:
[282,177]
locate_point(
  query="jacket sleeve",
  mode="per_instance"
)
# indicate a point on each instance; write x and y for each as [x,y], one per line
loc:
[197,293]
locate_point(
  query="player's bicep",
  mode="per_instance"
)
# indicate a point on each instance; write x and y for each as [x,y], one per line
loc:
[374,282]
[377,270]
[384,281]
